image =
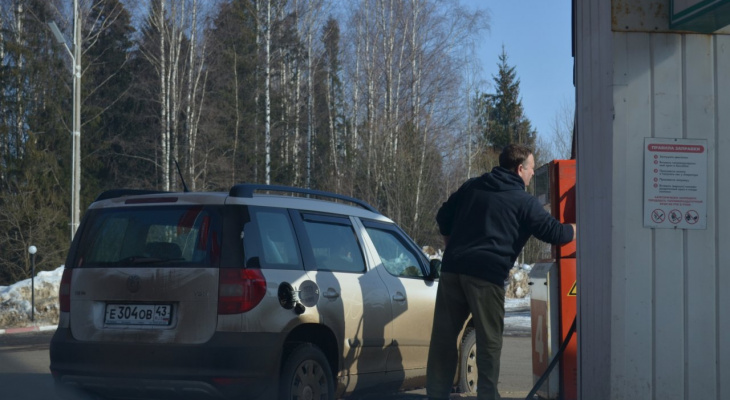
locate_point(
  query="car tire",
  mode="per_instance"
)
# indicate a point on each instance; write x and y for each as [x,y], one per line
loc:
[306,374]
[468,362]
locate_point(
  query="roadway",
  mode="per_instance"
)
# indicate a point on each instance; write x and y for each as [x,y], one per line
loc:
[24,373]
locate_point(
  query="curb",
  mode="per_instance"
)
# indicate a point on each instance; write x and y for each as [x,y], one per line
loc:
[28,329]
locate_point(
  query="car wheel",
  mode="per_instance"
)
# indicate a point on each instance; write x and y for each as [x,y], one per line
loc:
[307,375]
[468,362]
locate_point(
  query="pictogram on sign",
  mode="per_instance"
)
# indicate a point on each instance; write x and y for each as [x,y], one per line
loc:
[675,216]
[691,217]
[658,216]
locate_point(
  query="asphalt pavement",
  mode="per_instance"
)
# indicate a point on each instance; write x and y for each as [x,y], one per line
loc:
[515,381]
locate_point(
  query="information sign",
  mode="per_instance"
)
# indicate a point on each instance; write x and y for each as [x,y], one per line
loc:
[675,183]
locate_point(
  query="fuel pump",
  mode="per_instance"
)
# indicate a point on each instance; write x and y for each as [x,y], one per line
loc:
[553,299]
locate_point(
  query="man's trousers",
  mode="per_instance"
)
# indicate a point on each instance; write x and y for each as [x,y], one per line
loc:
[459,295]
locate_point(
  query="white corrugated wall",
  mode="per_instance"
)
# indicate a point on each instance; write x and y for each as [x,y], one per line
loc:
[654,304]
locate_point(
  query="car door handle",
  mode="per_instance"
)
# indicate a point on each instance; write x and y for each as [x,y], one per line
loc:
[398,296]
[331,294]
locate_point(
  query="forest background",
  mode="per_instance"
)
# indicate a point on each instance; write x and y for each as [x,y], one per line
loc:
[377,99]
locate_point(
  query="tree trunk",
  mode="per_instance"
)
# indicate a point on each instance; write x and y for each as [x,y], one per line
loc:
[267,93]
[237,126]
[333,135]
[190,111]
[165,100]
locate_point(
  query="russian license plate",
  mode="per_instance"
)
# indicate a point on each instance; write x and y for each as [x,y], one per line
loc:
[138,314]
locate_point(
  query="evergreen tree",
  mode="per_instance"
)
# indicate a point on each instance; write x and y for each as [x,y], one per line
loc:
[501,115]
[230,112]
[108,110]
[328,103]
[35,94]
[287,60]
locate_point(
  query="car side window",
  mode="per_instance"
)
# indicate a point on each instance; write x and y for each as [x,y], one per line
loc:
[269,239]
[397,258]
[333,243]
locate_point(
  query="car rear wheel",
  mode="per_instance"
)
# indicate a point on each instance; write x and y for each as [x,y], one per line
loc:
[468,362]
[306,375]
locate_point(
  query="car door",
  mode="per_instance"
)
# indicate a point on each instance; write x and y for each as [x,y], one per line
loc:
[402,267]
[354,303]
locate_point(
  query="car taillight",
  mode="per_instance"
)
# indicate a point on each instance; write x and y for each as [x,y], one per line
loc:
[64,290]
[240,290]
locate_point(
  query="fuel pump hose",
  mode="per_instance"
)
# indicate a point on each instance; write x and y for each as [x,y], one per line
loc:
[553,363]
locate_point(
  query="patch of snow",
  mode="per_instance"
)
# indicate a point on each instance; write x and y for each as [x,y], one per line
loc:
[15,300]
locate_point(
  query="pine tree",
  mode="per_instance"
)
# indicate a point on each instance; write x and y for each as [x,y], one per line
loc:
[501,115]
[34,141]
[231,111]
[107,110]
[328,90]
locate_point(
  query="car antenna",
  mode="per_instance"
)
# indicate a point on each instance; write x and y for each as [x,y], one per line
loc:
[185,187]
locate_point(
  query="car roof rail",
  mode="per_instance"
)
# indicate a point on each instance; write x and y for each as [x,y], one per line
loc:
[247,190]
[114,193]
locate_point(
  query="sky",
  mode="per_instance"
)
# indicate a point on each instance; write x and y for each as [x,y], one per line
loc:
[536,35]
[15,305]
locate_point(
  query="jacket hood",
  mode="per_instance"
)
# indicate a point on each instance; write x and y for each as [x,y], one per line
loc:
[502,179]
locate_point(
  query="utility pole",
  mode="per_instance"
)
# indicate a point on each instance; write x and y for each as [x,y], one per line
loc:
[76,134]
[76,127]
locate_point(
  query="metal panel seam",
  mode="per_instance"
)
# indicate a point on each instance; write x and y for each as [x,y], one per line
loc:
[685,248]
[718,333]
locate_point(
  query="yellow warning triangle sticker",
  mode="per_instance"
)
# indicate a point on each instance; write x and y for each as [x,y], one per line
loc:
[573,290]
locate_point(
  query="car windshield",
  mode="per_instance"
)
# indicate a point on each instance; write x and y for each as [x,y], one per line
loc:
[134,236]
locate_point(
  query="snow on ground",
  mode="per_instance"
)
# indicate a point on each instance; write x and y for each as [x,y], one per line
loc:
[15,301]
[517,300]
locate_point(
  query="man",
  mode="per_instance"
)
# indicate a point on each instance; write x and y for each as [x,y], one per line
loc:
[485,224]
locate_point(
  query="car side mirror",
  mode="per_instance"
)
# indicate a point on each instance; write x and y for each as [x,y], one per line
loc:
[434,269]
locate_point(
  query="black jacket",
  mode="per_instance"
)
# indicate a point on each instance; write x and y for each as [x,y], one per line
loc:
[488,221]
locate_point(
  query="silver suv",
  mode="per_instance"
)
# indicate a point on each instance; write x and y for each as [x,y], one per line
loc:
[245,294]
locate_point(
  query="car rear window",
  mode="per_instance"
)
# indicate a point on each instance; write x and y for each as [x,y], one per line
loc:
[159,236]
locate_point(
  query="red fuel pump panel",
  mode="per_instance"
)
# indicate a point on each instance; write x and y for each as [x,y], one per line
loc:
[562,200]
[569,359]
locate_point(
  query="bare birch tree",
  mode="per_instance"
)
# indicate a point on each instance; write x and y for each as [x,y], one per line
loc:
[265,27]
[410,69]
[561,144]
[174,27]
[310,18]
[196,79]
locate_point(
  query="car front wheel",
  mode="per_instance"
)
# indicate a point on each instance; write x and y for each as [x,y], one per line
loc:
[306,375]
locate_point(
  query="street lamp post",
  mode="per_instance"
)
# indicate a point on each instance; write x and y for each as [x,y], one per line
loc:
[32,250]
[76,129]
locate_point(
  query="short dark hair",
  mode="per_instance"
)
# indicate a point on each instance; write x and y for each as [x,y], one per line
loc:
[513,156]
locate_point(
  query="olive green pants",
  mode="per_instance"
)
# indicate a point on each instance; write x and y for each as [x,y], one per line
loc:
[458,296]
